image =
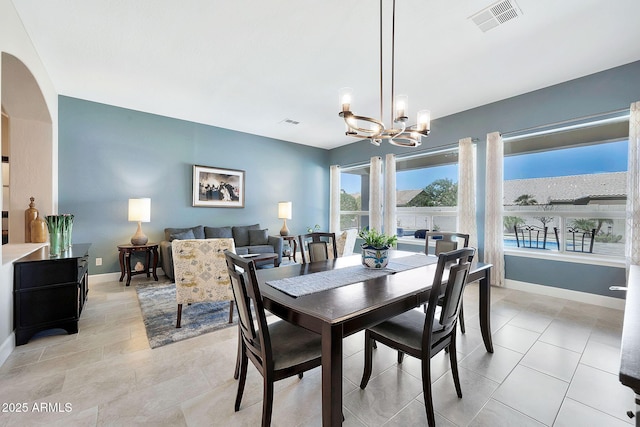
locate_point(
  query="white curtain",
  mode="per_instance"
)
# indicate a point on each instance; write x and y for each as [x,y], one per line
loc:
[467,191]
[334,199]
[632,243]
[375,194]
[493,233]
[390,223]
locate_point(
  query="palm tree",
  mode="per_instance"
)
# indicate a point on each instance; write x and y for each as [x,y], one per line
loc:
[583,224]
[525,200]
[601,222]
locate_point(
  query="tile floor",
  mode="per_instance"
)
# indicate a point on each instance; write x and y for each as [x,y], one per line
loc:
[555,364]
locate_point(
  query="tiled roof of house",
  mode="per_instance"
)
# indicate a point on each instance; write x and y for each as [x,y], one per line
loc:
[404,196]
[567,188]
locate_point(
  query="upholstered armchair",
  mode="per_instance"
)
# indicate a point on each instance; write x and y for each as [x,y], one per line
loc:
[346,241]
[201,272]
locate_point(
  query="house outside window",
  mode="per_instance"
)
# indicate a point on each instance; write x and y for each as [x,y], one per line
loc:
[426,194]
[565,190]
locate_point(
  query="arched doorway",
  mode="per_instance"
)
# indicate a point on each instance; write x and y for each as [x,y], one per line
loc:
[27,146]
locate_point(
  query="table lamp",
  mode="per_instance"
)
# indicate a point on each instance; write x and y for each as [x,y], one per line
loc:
[139,210]
[284,212]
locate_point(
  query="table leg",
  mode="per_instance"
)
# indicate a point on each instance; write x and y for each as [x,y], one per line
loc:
[331,375]
[128,265]
[155,263]
[121,258]
[295,249]
[147,263]
[485,309]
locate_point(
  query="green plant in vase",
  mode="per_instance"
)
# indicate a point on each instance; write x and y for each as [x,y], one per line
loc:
[55,225]
[313,229]
[375,249]
[67,220]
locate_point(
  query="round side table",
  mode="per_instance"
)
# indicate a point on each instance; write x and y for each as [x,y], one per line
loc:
[150,250]
[294,246]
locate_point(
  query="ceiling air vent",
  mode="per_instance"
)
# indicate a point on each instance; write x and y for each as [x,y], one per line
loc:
[290,122]
[496,14]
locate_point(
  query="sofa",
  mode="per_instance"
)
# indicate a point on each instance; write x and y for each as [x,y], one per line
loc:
[248,239]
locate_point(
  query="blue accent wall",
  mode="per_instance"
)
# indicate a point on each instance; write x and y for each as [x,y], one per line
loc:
[109,154]
[594,279]
[607,91]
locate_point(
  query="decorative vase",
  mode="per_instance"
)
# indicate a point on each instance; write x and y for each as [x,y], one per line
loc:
[55,244]
[38,230]
[30,214]
[67,228]
[375,257]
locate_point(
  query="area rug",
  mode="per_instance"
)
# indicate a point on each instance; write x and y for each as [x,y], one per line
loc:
[159,308]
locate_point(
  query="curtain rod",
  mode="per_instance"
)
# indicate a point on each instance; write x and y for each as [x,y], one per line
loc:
[615,114]
[406,156]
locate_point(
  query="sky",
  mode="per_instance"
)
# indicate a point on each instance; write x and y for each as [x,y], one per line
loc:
[601,158]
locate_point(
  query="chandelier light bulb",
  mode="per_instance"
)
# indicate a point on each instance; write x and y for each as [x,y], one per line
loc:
[402,104]
[346,96]
[424,121]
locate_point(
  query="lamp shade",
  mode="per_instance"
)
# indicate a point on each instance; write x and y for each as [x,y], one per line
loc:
[284,210]
[140,210]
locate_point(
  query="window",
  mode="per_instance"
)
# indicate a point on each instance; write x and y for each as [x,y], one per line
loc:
[565,188]
[354,182]
[426,193]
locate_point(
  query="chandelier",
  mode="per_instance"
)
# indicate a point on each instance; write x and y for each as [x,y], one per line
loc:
[399,133]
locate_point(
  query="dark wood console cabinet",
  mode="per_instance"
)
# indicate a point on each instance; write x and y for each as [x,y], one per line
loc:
[49,292]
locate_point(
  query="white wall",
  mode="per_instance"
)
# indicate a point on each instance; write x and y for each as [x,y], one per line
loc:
[15,41]
[30,173]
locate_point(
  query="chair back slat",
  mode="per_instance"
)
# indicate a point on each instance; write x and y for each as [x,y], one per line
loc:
[254,331]
[449,282]
[317,246]
[318,251]
[453,294]
[445,241]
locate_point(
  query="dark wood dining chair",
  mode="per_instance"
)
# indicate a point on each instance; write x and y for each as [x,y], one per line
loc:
[316,246]
[278,350]
[446,241]
[423,335]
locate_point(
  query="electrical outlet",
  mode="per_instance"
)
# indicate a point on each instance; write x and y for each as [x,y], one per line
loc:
[98,261]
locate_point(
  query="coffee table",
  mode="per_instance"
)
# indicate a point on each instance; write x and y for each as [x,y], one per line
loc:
[263,257]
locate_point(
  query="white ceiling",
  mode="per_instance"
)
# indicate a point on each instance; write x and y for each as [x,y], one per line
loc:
[248,65]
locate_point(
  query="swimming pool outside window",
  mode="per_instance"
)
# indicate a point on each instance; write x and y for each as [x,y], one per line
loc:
[572,183]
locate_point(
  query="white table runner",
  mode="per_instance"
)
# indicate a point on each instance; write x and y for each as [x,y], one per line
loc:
[316,282]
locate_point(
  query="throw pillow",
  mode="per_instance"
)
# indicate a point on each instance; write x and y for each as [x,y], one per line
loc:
[241,234]
[185,235]
[218,233]
[258,237]
[198,232]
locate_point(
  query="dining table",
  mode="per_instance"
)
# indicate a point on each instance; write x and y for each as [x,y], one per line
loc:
[322,303]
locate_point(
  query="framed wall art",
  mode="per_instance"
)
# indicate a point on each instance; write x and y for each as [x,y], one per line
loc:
[218,188]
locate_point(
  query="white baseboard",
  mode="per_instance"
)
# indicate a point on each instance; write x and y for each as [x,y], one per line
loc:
[104,277]
[7,347]
[601,300]
[110,277]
